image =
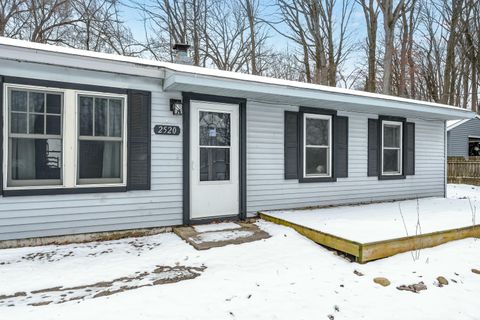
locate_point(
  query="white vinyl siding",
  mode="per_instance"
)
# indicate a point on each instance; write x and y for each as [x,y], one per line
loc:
[267,188]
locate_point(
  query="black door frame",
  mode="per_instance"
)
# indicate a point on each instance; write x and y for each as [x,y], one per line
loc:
[242,104]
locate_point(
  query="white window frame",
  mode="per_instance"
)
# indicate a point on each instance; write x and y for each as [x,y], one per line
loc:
[400,148]
[69,136]
[78,184]
[35,184]
[328,147]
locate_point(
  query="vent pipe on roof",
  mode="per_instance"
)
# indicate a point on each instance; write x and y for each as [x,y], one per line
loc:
[181,53]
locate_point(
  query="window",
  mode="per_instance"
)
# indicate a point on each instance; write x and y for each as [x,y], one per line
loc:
[317,145]
[41,137]
[214,145]
[34,137]
[392,147]
[100,138]
[473,146]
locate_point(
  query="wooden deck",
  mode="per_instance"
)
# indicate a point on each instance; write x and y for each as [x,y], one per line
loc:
[364,252]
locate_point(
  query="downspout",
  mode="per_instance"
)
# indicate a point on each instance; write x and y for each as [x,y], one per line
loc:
[445,162]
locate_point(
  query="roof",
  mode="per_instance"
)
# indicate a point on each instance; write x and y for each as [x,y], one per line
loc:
[455,123]
[183,77]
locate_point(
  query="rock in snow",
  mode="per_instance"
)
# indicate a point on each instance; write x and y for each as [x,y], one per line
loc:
[416,287]
[442,281]
[358,273]
[382,281]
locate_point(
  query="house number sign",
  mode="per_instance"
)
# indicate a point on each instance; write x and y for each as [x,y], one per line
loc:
[166,130]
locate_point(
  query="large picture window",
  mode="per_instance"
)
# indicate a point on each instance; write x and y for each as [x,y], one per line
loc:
[100,152]
[392,132]
[41,135]
[34,137]
[317,145]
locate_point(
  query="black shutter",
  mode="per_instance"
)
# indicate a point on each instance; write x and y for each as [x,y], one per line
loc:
[372,147]
[139,137]
[341,147]
[291,145]
[409,148]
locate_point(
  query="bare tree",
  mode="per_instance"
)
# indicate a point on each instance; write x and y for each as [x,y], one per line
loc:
[11,22]
[391,15]
[227,39]
[454,13]
[371,12]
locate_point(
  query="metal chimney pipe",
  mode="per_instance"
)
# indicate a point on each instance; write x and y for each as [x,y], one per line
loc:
[181,53]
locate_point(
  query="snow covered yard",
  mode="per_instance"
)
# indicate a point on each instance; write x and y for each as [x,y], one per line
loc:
[284,277]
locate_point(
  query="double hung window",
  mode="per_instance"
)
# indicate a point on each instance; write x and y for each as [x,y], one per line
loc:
[392,152]
[317,145]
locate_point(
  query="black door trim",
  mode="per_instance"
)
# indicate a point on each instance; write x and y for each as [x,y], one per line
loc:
[242,103]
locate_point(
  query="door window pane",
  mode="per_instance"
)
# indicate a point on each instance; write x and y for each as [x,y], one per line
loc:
[391,160]
[214,164]
[86,116]
[100,159]
[317,131]
[36,159]
[214,128]
[316,161]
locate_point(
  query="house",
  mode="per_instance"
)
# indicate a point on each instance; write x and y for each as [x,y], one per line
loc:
[94,142]
[463,137]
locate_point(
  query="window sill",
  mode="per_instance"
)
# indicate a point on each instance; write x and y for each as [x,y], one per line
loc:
[391,177]
[316,179]
[55,191]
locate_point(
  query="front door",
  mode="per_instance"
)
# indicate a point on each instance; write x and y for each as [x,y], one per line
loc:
[214,155]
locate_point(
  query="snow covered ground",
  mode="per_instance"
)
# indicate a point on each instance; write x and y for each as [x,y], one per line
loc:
[284,277]
[390,220]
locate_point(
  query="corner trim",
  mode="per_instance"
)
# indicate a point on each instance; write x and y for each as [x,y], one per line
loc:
[242,103]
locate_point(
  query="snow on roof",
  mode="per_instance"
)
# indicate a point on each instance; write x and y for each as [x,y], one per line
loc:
[455,123]
[211,72]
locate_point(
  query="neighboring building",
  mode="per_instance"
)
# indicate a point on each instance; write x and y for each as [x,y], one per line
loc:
[96,142]
[463,137]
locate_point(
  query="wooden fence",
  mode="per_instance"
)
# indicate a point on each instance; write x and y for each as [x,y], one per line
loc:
[464,170]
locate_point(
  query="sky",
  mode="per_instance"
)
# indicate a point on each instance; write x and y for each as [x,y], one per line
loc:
[268,9]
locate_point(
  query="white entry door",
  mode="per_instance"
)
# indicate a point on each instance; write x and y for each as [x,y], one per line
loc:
[214,159]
